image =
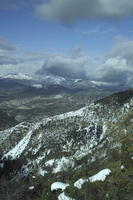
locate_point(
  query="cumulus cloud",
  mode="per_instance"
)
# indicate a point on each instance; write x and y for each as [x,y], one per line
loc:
[118,66]
[64,66]
[124,50]
[68,11]
[74,65]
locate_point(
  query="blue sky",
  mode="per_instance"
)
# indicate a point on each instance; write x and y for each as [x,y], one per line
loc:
[58,27]
[24,29]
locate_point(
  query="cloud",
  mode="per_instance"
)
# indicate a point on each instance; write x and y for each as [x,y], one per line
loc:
[24,68]
[124,50]
[12,60]
[68,11]
[64,66]
[6,49]
[74,65]
[118,66]
[114,70]
[5,45]
[7,60]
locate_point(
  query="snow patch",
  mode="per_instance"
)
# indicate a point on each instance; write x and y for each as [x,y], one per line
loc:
[42,172]
[38,86]
[49,163]
[34,151]
[63,164]
[80,182]
[100,83]
[58,96]
[103,132]
[39,159]
[62,196]
[59,185]
[31,188]
[122,167]
[100,176]
[20,147]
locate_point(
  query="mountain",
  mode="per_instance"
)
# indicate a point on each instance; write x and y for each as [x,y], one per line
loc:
[44,81]
[80,84]
[25,98]
[82,154]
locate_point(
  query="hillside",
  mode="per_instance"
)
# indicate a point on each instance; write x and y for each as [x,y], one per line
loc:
[85,154]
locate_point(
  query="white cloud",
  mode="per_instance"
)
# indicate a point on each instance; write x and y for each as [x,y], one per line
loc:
[118,66]
[26,68]
[123,49]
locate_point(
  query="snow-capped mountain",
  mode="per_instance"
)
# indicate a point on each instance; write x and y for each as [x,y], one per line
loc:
[50,79]
[70,150]
[75,85]
[79,84]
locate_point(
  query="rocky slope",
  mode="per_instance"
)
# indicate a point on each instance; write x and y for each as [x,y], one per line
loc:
[81,152]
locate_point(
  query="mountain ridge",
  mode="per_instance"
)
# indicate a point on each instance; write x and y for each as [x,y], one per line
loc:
[58,147]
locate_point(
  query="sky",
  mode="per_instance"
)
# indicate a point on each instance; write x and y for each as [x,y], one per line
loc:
[69,38]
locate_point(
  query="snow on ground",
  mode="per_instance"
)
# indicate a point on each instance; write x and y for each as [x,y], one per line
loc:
[122,166]
[38,86]
[42,172]
[84,150]
[79,112]
[7,132]
[59,185]
[38,159]
[80,182]
[58,96]
[49,163]
[63,164]
[100,176]
[100,83]
[103,133]
[34,151]
[31,188]
[62,196]
[60,164]
[20,147]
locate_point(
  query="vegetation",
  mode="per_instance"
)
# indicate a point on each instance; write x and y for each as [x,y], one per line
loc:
[113,151]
